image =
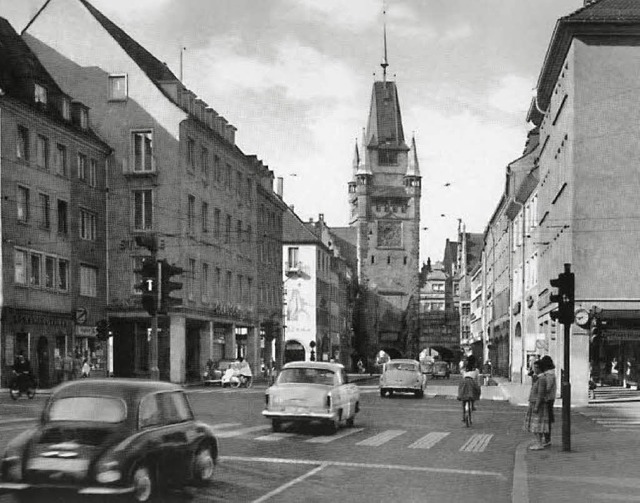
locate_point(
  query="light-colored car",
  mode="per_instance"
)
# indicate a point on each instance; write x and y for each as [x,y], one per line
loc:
[402,376]
[312,391]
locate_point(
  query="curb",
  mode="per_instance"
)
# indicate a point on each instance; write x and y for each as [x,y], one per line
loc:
[520,488]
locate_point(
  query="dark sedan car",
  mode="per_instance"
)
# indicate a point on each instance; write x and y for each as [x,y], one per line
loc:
[110,437]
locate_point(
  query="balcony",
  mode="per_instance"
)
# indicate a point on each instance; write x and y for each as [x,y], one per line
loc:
[295,268]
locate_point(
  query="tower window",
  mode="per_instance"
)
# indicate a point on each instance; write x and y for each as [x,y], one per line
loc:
[388,259]
[373,259]
[405,261]
[387,157]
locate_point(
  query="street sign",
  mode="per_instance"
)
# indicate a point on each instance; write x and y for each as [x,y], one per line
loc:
[81,316]
[85,331]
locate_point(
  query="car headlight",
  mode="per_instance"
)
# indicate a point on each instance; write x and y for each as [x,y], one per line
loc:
[108,472]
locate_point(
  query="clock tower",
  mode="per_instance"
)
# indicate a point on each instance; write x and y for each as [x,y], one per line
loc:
[384,203]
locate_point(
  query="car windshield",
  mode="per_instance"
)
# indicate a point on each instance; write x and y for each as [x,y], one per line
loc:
[402,366]
[306,376]
[88,408]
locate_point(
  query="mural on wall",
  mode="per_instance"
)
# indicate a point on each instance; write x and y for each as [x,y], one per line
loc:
[301,308]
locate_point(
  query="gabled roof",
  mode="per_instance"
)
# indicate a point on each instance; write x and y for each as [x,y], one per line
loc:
[604,18]
[294,230]
[384,128]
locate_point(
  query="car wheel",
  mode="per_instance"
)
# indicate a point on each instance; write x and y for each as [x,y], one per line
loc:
[420,393]
[383,392]
[204,465]
[143,484]
[15,393]
[333,426]
[351,421]
[276,425]
[390,392]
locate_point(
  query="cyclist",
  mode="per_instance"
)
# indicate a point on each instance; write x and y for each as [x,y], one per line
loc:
[468,389]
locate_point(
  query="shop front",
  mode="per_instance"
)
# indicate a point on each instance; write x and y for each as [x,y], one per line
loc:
[43,337]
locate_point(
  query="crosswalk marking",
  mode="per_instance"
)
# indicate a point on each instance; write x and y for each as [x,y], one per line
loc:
[381,438]
[327,439]
[429,440]
[477,443]
[241,431]
[274,437]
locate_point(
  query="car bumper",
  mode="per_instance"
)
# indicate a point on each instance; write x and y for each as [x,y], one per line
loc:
[8,487]
[401,389]
[300,415]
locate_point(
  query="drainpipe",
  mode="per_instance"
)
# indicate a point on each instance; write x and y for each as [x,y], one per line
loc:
[1,262]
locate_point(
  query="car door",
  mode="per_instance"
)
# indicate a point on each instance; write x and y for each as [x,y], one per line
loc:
[174,437]
[348,394]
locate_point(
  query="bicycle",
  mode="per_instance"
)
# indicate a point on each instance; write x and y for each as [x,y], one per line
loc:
[467,407]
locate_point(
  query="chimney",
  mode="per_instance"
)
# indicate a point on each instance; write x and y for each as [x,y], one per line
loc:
[321,217]
[588,2]
[279,186]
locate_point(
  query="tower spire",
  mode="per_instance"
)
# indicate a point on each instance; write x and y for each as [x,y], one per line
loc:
[385,62]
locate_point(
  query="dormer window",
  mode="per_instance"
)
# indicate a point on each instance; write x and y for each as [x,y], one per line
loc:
[84,118]
[118,87]
[80,115]
[66,109]
[40,94]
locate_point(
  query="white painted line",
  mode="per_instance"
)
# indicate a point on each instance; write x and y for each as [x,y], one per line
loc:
[425,469]
[242,431]
[429,440]
[290,483]
[326,439]
[381,438]
[477,443]
[274,437]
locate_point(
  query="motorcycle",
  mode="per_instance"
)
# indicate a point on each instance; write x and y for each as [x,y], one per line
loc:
[22,384]
[233,379]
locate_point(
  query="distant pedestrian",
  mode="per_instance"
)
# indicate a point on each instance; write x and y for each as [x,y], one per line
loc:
[360,367]
[58,368]
[549,370]
[67,367]
[77,366]
[86,368]
[537,419]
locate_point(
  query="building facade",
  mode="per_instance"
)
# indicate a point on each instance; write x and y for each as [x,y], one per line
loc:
[53,220]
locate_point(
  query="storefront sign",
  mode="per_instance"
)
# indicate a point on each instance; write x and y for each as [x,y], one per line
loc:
[83,331]
[38,319]
[618,335]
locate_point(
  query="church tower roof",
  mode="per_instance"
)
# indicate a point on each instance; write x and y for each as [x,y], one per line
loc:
[384,128]
[413,168]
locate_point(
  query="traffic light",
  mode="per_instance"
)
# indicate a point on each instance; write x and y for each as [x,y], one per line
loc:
[565,283]
[103,330]
[167,271]
[149,285]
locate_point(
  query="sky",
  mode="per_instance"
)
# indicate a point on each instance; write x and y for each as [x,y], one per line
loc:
[295,77]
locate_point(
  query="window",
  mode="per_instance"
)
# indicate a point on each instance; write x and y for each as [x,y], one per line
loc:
[216,223]
[191,213]
[217,282]
[93,169]
[142,210]
[20,267]
[63,216]
[87,225]
[387,157]
[239,289]
[84,118]
[88,278]
[49,272]
[191,153]
[227,287]
[292,255]
[40,94]
[238,184]
[45,211]
[205,217]
[22,144]
[63,275]
[82,167]
[249,190]
[42,152]
[204,163]
[61,161]
[204,283]
[191,278]
[238,232]
[23,204]
[227,229]
[117,87]
[35,269]
[228,180]
[66,109]
[437,287]
[217,169]
[142,146]
[249,235]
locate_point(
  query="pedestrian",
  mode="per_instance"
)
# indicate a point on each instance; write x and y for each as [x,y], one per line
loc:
[57,366]
[67,367]
[86,368]
[360,367]
[551,388]
[77,365]
[537,418]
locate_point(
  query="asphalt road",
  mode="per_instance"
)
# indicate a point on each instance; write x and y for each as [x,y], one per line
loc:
[401,448]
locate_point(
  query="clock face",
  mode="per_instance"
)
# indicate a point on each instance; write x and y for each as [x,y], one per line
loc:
[389,234]
[582,317]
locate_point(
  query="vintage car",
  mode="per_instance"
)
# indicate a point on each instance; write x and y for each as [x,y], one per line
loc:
[312,392]
[441,369]
[402,376]
[107,437]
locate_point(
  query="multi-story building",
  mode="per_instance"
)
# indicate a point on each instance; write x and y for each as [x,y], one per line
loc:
[177,176]
[474,343]
[318,283]
[53,220]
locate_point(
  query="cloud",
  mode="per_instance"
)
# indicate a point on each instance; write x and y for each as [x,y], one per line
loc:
[512,94]
[355,15]
[127,9]
[457,33]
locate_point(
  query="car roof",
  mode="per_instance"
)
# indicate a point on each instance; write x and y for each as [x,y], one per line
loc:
[128,389]
[314,365]
[404,360]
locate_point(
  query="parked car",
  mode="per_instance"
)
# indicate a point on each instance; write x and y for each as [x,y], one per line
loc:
[441,369]
[402,376]
[312,392]
[110,437]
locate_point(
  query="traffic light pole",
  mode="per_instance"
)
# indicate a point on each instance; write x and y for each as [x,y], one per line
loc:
[153,346]
[566,391]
